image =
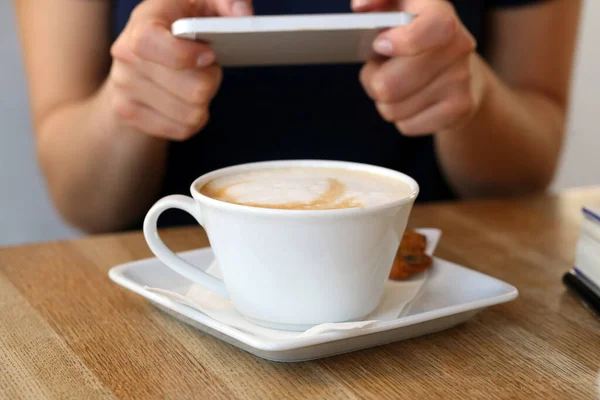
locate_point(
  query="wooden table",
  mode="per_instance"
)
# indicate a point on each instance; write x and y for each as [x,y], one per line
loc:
[67,331]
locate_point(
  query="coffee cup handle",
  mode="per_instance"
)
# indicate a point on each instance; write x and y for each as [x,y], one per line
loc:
[166,255]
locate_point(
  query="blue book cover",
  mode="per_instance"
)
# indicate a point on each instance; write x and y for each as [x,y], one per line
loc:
[592,213]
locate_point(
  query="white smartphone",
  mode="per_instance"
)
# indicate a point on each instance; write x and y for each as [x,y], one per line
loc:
[291,39]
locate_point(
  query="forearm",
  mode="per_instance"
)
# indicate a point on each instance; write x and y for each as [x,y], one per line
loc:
[101,175]
[511,145]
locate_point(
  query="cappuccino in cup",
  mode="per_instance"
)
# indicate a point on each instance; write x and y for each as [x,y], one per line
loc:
[306,188]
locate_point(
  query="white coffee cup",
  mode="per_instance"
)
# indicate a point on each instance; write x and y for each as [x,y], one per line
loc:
[292,269]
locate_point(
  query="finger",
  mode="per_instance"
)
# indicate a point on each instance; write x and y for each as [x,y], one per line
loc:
[233,8]
[167,11]
[438,117]
[436,25]
[148,32]
[453,80]
[195,86]
[370,5]
[367,75]
[146,120]
[153,42]
[401,77]
[145,92]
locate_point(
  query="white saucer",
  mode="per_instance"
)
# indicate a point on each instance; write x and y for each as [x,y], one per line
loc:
[451,295]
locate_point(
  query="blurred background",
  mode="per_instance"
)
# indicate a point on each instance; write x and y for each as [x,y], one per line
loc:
[26,214]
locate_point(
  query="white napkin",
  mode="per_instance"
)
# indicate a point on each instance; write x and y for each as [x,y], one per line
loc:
[397,296]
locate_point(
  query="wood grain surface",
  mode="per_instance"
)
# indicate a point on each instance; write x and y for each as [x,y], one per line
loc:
[67,331]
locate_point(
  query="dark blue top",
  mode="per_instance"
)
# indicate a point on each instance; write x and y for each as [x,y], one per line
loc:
[307,112]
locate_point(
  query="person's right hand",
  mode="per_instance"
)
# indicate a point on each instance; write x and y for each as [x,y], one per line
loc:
[162,85]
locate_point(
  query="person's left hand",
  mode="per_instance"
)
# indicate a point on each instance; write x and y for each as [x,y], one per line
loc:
[429,78]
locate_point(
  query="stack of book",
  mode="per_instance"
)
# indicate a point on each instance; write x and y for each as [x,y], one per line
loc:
[584,278]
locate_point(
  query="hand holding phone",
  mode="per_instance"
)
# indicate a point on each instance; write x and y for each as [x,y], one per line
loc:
[289,40]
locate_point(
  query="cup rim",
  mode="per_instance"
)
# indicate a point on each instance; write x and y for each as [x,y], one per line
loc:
[203,179]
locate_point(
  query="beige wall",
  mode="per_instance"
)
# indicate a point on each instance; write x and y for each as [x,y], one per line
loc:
[581,157]
[25,212]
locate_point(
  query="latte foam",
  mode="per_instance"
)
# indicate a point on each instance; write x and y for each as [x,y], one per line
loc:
[306,188]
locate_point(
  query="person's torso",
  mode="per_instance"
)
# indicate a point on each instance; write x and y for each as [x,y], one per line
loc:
[301,112]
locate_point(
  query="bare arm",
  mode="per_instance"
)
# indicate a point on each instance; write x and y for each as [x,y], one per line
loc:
[513,142]
[91,161]
[103,125]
